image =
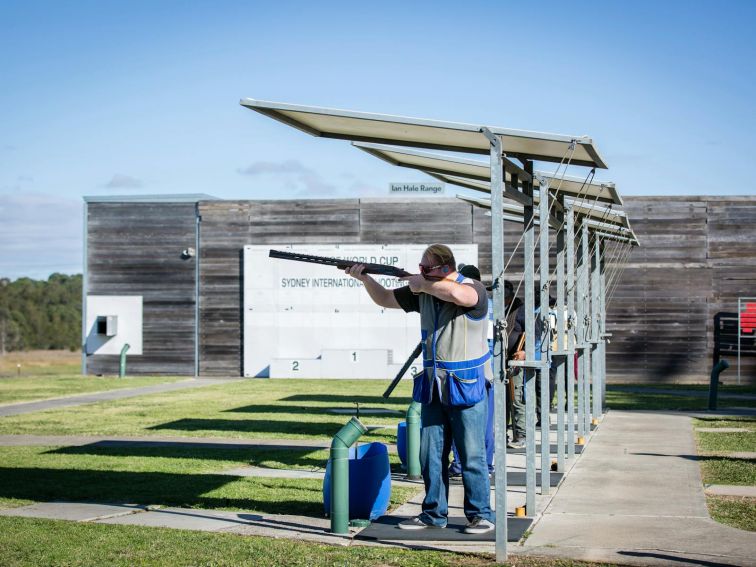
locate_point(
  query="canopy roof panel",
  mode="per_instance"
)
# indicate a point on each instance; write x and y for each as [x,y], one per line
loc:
[423,133]
[452,169]
[595,217]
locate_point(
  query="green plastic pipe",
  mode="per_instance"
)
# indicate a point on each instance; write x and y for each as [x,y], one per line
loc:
[122,365]
[719,367]
[339,458]
[413,441]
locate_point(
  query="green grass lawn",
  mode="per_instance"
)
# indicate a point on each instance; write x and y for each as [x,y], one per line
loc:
[162,476]
[43,386]
[718,468]
[27,541]
[245,409]
[618,399]
[733,511]
[740,421]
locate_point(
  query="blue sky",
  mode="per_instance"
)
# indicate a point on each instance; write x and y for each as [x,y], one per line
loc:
[123,98]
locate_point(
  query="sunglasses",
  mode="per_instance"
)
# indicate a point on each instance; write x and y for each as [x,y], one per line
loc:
[425,270]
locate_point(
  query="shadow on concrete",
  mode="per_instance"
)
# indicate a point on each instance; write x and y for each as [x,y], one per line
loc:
[665,557]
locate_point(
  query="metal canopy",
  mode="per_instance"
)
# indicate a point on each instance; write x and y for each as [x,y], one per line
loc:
[452,169]
[423,133]
[594,219]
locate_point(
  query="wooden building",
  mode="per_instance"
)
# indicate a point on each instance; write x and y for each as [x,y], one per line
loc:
[183,256]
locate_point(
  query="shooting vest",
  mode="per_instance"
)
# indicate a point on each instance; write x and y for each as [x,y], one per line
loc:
[455,352]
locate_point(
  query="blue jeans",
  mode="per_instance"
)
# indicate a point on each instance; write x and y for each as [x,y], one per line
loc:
[466,426]
[456,467]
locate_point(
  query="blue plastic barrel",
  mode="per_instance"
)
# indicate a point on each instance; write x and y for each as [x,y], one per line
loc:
[369,482]
[401,442]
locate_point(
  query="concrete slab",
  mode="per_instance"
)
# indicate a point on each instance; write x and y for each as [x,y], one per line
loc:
[181,518]
[289,526]
[635,497]
[731,490]
[77,511]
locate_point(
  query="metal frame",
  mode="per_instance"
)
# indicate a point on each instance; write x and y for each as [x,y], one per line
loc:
[418,132]
[501,178]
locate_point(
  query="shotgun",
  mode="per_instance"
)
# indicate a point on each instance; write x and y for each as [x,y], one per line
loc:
[407,364]
[382,269]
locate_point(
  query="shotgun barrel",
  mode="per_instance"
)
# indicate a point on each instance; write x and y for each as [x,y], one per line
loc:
[382,269]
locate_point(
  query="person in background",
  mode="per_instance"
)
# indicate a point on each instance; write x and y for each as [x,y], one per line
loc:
[516,397]
[455,469]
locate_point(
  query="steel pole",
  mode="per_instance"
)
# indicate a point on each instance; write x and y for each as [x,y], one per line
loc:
[570,347]
[500,390]
[543,256]
[586,366]
[561,348]
[529,372]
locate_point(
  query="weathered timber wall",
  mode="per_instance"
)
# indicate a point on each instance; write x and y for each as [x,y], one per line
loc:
[697,255]
[135,249]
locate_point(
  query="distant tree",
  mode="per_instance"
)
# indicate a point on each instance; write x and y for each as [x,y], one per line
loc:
[40,314]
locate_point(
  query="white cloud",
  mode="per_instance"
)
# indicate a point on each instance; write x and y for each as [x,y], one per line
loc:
[40,234]
[297,176]
[121,181]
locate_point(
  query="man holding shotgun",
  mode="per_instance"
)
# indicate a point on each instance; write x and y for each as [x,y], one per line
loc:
[452,387]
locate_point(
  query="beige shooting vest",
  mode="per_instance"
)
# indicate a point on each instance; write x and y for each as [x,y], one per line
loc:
[456,359]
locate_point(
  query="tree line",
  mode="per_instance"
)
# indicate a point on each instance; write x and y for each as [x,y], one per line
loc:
[39,314]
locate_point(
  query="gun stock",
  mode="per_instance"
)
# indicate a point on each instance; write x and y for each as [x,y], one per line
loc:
[407,364]
[382,269]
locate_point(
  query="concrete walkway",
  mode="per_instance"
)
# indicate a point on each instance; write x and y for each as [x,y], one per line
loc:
[55,403]
[636,497]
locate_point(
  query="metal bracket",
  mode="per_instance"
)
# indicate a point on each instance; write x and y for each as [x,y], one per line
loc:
[493,138]
[528,364]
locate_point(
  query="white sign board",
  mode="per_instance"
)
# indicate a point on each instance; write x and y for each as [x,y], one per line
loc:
[313,321]
[433,188]
[127,309]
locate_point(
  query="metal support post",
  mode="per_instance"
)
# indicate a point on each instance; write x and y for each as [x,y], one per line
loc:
[580,339]
[529,372]
[570,347]
[545,339]
[604,337]
[500,390]
[596,327]
[584,299]
[561,347]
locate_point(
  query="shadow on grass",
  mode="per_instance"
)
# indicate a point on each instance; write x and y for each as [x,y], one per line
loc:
[307,458]
[270,496]
[324,429]
[347,400]
[323,410]
[716,418]
[294,456]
